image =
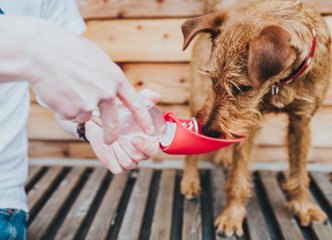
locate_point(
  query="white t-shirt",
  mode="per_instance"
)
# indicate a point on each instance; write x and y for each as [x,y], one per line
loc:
[15,101]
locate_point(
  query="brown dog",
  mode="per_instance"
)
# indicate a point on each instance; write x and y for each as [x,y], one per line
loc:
[255,54]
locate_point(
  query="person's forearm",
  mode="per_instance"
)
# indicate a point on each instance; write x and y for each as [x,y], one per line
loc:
[18,37]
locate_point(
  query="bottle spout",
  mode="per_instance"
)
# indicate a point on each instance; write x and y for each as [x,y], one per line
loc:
[184,137]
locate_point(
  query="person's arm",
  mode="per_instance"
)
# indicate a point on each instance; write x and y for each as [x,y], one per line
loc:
[16,43]
[69,73]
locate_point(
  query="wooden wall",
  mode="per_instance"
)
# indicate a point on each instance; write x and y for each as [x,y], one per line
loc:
[144,37]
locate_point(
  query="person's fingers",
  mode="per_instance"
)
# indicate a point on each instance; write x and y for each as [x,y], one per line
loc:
[131,150]
[134,102]
[153,96]
[109,119]
[148,148]
[110,161]
[123,159]
[83,117]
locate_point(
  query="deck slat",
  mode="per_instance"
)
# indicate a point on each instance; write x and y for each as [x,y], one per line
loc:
[256,223]
[33,172]
[286,223]
[81,206]
[322,231]
[133,219]
[162,219]
[39,190]
[192,223]
[324,185]
[218,196]
[38,228]
[107,211]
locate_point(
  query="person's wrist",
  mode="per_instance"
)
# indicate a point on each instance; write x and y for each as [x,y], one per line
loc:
[89,126]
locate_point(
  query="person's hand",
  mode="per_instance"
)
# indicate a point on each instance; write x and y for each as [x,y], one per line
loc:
[73,77]
[122,155]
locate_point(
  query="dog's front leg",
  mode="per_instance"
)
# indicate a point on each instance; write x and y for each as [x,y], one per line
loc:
[298,181]
[190,183]
[238,190]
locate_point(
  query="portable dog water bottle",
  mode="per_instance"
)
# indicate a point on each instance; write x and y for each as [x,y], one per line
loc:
[184,137]
[176,136]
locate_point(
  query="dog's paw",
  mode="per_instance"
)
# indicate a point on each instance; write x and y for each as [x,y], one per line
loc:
[190,187]
[306,211]
[229,222]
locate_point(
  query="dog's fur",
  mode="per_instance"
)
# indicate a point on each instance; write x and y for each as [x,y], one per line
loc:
[251,50]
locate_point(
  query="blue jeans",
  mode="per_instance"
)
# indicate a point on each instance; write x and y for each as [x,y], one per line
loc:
[13,224]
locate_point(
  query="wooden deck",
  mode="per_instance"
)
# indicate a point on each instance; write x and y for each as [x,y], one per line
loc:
[90,203]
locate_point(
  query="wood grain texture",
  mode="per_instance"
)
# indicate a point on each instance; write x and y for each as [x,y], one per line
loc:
[82,204]
[157,40]
[133,219]
[33,172]
[162,219]
[142,40]
[286,222]
[40,189]
[107,211]
[140,8]
[192,222]
[171,80]
[69,149]
[38,228]
[170,8]
[257,226]
[42,126]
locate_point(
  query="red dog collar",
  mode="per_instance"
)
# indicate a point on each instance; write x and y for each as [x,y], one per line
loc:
[304,65]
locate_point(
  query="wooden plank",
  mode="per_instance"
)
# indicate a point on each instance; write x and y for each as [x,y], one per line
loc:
[162,219]
[133,219]
[81,206]
[257,226]
[42,126]
[140,8]
[192,223]
[33,172]
[286,222]
[154,40]
[107,211]
[217,178]
[320,231]
[157,40]
[275,129]
[324,185]
[39,190]
[324,6]
[279,154]
[51,210]
[171,80]
[171,8]
[69,149]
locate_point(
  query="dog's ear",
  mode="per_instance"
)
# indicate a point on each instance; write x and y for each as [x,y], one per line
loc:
[208,23]
[269,54]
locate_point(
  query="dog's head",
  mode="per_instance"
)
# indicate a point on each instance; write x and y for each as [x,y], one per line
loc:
[245,60]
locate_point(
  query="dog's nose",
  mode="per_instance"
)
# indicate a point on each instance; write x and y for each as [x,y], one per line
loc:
[210,132]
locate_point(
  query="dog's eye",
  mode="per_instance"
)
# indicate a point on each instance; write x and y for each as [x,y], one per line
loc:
[241,89]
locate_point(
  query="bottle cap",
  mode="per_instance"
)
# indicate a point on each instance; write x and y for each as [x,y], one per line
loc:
[184,137]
